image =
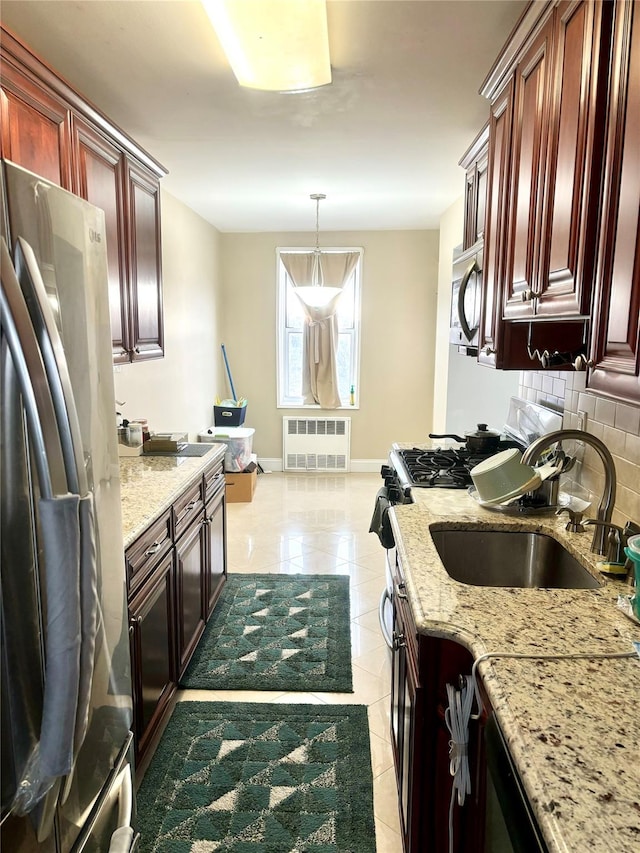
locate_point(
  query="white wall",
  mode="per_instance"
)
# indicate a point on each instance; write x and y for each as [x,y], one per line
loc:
[176,393]
[450,236]
[465,392]
[477,394]
[399,289]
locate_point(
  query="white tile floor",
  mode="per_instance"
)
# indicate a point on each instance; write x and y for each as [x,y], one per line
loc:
[319,523]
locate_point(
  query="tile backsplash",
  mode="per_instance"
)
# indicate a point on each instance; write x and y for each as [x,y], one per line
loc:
[616,424]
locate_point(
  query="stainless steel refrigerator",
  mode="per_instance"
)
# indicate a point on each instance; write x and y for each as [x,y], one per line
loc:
[66,708]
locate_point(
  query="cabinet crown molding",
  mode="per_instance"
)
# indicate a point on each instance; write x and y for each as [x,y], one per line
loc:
[526,27]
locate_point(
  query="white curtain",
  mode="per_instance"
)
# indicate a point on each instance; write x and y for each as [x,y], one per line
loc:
[320,333]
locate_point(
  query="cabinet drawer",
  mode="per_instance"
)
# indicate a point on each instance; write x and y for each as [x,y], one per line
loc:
[213,481]
[186,508]
[145,552]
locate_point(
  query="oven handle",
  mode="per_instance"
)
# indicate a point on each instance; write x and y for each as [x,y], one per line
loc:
[386,596]
[466,328]
[404,480]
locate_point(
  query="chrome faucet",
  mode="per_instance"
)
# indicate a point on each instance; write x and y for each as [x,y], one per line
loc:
[605,507]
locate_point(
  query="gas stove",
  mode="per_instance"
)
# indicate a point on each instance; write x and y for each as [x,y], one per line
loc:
[430,468]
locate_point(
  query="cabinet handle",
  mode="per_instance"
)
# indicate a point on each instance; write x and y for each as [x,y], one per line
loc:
[487,350]
[528,294]
[190,505]
[581,363]
[153,549]
[399,641]
[400,591]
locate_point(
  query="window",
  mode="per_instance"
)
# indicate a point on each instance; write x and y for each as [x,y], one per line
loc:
[291,321]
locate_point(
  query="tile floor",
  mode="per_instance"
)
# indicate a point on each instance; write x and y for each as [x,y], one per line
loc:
[319,523]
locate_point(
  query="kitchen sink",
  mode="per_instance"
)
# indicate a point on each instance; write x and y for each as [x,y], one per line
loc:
[509,558]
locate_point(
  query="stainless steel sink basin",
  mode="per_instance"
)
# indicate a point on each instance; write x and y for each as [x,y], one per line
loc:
[509,558]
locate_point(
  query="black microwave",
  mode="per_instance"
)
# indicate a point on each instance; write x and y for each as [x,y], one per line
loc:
[465,300]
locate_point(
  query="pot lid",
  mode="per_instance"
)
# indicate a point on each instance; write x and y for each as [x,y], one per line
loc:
[482,431]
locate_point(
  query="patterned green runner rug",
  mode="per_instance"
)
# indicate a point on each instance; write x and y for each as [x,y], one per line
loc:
[276,632]
[242,777]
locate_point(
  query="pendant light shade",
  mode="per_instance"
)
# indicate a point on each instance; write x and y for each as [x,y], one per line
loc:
[316,295]
[274,45]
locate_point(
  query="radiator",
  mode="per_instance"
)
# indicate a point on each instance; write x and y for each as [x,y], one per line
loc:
[316,444]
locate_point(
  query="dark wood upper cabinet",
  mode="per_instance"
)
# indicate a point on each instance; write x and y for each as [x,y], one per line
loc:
[36,126]
[100,179]
[492,327]
[50,129]
[573,156]
[474,162]
[556,149]
[615,349]
[145,266]
[531,97]
[548,93]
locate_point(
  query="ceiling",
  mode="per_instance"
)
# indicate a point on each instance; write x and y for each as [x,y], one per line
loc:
[383,141]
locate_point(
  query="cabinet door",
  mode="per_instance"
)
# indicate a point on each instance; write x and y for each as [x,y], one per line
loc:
[151,615]
[528,152]
[565,279]
[216,554]
[36,126]
[474,161]
[498,342]
[100,179]
[145,264]
[616,329]
[190,558]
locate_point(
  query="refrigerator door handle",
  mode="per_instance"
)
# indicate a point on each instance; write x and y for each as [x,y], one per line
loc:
[32,378]
[59,512]
[59,380]
[55,362]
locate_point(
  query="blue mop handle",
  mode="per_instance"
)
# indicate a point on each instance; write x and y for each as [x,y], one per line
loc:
[226,363]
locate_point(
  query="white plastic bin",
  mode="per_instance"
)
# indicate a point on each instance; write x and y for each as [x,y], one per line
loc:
[239,441]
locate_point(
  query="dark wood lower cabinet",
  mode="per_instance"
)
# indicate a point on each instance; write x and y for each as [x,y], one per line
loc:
[175,572]
[153,656]
[422,666]
[191,610]
[216,553]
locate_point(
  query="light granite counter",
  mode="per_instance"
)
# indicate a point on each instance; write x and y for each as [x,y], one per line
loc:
[572,726]
[150,484]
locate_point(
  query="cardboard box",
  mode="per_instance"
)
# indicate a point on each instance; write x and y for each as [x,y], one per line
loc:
[240,487]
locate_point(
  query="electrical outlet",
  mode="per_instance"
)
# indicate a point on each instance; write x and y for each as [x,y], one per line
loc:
[582,420]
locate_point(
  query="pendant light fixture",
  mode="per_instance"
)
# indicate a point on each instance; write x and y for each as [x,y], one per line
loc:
[316,295]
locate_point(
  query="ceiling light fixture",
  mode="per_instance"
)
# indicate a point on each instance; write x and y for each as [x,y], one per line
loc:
[274,45]
[316,295]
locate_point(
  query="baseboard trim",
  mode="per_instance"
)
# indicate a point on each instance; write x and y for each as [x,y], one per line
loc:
[358,466]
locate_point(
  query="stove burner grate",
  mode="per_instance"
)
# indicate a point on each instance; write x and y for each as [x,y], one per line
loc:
[445,468]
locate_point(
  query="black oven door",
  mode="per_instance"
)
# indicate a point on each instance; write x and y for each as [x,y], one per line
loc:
[510,825]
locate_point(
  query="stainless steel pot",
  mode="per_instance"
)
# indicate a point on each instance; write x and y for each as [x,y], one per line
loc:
[482,439]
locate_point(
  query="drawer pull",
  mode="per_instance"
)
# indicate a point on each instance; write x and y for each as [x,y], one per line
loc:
[153,549]
[399,641]
[400,591]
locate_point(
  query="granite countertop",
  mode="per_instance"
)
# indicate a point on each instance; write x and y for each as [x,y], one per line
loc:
[150,484]
[572,726]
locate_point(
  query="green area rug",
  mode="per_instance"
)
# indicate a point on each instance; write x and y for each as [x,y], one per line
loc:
[276,632]
[243,777]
